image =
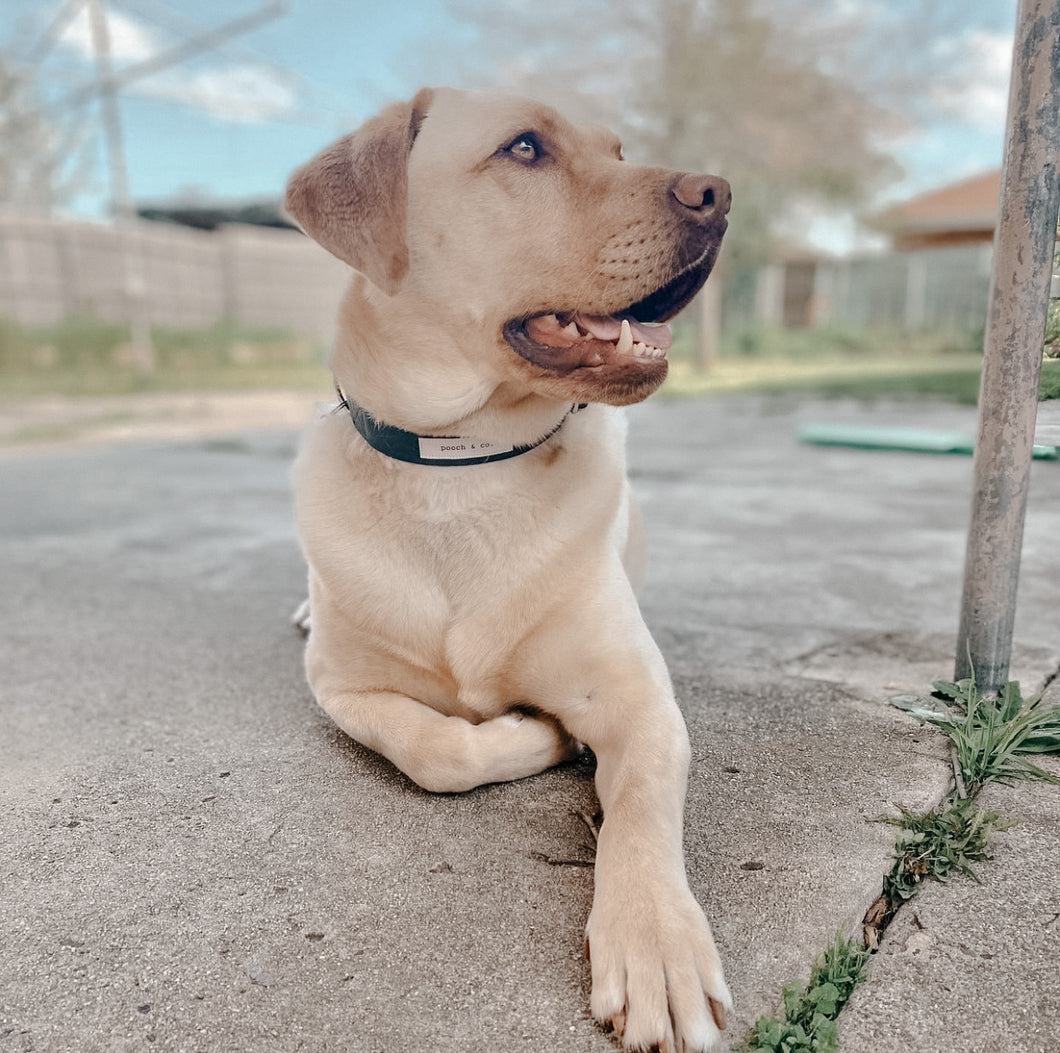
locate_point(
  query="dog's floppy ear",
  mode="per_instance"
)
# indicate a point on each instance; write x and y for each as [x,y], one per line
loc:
[350,198]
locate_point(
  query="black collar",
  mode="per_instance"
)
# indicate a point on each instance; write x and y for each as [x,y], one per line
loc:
[444,451]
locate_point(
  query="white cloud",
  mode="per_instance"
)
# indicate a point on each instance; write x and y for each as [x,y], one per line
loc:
[130,41]
[241,93]
[977,93]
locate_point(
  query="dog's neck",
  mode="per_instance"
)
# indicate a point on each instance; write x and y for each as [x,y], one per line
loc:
[439,450]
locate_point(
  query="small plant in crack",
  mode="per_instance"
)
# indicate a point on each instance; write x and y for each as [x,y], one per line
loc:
[932,845]
[807,1023]
[990,736]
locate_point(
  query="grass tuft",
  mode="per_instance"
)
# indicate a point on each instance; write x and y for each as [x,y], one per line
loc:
[807,1023]
[990,735]
[934,844]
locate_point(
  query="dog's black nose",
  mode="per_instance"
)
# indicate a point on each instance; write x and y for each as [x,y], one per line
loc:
[706,195]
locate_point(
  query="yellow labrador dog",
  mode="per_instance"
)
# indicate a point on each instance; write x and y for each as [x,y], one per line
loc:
[472,541]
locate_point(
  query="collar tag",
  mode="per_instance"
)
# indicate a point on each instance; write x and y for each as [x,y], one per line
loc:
[433,449]
[443,449]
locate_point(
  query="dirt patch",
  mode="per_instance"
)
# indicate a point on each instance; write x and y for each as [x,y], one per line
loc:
[57,422]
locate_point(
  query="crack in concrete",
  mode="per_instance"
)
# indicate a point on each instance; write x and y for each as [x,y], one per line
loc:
[1050,679]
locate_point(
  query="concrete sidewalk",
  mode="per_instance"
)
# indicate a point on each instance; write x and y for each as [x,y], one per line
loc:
[194,859]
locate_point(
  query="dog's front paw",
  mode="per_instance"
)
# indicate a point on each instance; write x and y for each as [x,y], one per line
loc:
[518,744]
[657,978]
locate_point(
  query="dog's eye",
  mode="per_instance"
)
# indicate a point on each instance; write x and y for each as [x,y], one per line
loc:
[525,148]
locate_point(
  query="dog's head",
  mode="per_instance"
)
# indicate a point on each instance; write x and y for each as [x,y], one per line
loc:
[523,238]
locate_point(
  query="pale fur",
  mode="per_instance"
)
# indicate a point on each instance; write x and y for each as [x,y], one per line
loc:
[476,624]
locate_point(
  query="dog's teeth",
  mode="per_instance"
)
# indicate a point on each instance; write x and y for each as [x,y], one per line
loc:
[571,330]
[625,339]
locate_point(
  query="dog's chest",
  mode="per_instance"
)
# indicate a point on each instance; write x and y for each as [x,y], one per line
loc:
[471,578]
[442,575]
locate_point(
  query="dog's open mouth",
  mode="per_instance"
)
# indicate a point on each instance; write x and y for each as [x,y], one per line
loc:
[563,341]
[577,339]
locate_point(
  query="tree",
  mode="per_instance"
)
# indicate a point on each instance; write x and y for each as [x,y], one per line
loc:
[748,89]
[797,102]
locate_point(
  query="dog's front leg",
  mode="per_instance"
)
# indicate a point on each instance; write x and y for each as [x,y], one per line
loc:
[656,976]
[447,754]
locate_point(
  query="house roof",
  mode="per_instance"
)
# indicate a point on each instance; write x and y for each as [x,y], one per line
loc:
[970,204]
[211,213]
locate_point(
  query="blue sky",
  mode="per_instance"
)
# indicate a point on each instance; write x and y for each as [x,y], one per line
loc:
[253,108]
[233,122]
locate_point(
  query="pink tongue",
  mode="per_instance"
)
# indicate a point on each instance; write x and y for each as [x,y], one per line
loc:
[605,327]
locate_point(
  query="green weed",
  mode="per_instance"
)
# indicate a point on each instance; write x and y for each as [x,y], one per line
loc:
[990,735]
[934,844]
[807,1023]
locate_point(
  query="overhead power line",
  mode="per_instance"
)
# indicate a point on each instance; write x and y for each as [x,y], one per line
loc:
[106,86]
[175,55]
[180,25]
[63,17]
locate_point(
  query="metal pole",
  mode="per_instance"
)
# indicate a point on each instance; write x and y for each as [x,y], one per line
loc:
[135,285]
[1008,396]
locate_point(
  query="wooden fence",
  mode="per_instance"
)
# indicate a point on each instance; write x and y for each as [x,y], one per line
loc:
[54,268]
[928,289]
[945,288]
[51,269]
